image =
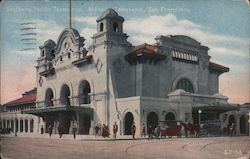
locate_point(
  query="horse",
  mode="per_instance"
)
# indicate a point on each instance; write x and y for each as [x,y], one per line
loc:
[193,129]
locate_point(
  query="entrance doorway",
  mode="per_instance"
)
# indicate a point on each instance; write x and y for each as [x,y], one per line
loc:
[231,120]
[243,124]
[129,119]
[152,119]
[85,124]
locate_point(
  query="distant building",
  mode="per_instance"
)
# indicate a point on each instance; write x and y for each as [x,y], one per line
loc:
[114,81]
[12,118]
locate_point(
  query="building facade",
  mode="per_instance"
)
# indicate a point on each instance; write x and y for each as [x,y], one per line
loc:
[114,81]
[11,118]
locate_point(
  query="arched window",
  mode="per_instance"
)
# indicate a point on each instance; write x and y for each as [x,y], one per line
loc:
[84,90]
[65,95]
[115,26]
[49,97]
[101,27]
[185,84]
[42,53]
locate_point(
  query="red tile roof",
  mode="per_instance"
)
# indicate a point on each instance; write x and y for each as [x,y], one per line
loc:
[25,99]
[217,67]
[146,48]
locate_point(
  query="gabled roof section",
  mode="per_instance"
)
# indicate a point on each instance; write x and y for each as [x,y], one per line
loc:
[25,99]
[145,48]
[143,53]
[73,35]
[218,68]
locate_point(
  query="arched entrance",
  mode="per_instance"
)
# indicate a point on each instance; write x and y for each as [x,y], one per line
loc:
[17,122]
[170,116]
[49,96]
[152,119]
[21,125]
[243,123]
[26,125]
[12,125]
[65,95]
[231,120]
[84,90]
[128,119]
[170,119]
[31,125]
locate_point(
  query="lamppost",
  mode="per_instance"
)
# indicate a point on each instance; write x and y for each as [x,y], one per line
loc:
[199,111]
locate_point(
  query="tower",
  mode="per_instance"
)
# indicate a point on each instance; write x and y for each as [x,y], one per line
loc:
[110,29]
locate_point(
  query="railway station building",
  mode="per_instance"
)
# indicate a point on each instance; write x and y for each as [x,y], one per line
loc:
[115,81]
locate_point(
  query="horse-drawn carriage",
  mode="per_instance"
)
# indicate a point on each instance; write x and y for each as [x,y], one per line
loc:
[179,128]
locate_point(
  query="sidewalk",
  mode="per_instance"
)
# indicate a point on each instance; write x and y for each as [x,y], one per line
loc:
[70,137]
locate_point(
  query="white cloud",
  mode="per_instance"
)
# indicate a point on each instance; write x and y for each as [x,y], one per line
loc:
[47,30]
[225,51]
[33,52]
[86,20]
[87,33]
[169,24]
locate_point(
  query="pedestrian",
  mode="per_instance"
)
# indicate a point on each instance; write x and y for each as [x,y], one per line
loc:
[42,130]
[133,130]
[15,132]
[60,130]
[150,131]
[158,131]
[103,130]
[74,129]
[115,129]
[143,134]
[50,130]
[100,130]
[97,128]
[232,130]
[107,131]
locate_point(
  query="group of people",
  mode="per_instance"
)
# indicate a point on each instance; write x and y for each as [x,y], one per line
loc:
[60,130]
[152,132]
[103,130]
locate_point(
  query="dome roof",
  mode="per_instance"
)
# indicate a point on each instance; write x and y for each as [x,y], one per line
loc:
[111,13]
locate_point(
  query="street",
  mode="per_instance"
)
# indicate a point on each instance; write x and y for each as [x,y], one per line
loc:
[184,148]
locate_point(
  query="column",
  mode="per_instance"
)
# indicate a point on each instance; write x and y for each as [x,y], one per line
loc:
[237,124]
[6,123]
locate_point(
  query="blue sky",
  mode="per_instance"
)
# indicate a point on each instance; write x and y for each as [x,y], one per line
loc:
[222,25]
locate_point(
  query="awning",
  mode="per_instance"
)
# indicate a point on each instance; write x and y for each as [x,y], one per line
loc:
[211,112]
[42,111]
[220,108]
